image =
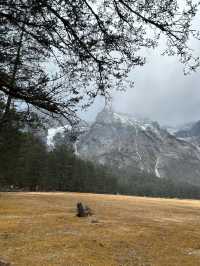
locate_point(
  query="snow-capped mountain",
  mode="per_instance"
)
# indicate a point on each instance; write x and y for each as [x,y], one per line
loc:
[191,133]
[130,144]
[126,143]
[192,130]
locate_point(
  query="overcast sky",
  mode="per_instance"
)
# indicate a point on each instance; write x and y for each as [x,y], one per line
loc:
[162,92]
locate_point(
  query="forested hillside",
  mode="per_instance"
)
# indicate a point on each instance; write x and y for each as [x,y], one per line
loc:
[27,164]
[56,58]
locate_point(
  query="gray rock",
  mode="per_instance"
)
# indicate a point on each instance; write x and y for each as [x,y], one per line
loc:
[126,143]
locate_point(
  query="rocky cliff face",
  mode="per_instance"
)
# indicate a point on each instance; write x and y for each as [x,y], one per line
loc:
[126,143]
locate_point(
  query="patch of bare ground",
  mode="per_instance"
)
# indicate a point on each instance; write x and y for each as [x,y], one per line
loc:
[42,229]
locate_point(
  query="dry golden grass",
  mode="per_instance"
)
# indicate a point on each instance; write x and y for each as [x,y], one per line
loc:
[42,229]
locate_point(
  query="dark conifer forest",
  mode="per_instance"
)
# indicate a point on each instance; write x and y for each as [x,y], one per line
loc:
[92,47]
[27,164]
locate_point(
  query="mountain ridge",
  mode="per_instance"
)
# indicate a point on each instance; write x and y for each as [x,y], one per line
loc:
[130,145]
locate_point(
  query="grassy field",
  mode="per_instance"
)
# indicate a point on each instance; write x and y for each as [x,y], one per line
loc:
[42,229]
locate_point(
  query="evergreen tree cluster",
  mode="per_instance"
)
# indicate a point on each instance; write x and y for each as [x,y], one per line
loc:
[26,164]
[93,46]
[143,184]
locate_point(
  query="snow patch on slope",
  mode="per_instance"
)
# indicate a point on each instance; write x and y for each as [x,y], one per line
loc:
[53,131]
[123,119]
[126,119]
[156,168]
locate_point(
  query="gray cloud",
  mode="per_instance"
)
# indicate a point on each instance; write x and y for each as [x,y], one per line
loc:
[162,92]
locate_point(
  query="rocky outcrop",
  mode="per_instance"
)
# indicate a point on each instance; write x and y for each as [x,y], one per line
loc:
[129,144]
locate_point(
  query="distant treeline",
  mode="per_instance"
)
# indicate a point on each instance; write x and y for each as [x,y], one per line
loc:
[143,184]
[26,164]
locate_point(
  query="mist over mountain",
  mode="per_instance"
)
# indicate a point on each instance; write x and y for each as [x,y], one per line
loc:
[190,133]
[130,144]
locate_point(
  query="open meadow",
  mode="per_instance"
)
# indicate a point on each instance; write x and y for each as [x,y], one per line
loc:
[42,229]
